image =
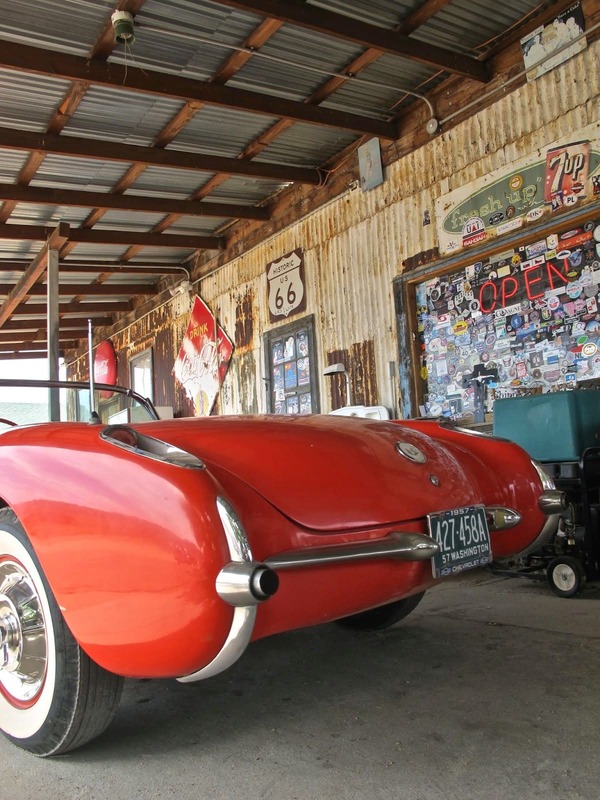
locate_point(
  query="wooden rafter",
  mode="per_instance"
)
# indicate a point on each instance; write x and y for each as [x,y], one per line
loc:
[39,323]
[116,76]
[361,33]
[99,236]
[152,156]
[128,202]
[55,240]
[89,290]
[76,309]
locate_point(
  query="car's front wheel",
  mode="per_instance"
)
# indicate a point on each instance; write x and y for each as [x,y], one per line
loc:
[378,619]
[53,698]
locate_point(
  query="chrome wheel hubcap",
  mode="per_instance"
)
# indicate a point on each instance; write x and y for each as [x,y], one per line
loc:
[23,641]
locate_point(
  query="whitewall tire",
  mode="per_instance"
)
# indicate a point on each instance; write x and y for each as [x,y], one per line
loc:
[53,698]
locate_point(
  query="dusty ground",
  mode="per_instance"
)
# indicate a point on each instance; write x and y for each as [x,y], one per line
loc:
[490,689]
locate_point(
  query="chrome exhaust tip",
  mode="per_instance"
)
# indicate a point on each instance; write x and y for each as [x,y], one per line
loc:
[246,583]
[553,501]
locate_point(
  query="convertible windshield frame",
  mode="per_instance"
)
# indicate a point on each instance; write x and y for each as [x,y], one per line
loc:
[129,394]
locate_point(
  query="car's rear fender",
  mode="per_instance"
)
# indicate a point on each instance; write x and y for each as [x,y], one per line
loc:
[131,547]
[503,474]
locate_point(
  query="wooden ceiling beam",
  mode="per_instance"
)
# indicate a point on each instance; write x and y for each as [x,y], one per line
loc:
[76,309]
[13,355]
[39,322]
[54,241]
[39,335]
[39,347]
[127,238]
[38,61]
[95,267]
[78,147]
[88,289]
[128,202]
[297,12]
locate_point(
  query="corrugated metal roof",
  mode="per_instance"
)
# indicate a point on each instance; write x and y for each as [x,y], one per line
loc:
[310,58]
[164,31]
[65,25]
[121,115]
[221,131]
[161,182]
[38,214]
[302,147]
[465,25]
[194,40]
[70,173]
[27,102]
[199,226]
[11,164]
[385,13]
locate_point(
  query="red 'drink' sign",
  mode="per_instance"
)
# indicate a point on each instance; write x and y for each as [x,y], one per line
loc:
[285,279]
[105,365]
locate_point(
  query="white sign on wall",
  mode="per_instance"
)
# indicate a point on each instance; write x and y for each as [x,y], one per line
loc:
[285,279]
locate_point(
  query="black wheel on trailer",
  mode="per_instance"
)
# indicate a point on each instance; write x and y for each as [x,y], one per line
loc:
[566,576]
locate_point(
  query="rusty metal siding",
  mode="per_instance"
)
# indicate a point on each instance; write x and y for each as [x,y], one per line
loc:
[355,246]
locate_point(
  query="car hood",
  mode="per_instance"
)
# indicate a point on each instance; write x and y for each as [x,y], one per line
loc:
[325,472]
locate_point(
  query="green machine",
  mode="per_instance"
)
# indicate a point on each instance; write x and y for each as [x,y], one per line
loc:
[562,431]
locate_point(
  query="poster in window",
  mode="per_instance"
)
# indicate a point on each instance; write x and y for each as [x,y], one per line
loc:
[302,343]
[292,405]
[305,403]
[277,379]
[291,375]
[289,350]
[203,358]
[277,352]
[303,371]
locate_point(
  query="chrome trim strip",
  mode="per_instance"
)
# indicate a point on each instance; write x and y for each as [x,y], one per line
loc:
[237,541]
[242,623]
[240,632]
[543,537]
[403,546]
[150,447]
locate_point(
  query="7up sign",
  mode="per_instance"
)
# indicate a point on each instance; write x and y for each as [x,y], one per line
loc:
[285,279]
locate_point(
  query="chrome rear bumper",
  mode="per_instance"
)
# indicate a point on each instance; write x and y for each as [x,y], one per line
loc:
[244,583]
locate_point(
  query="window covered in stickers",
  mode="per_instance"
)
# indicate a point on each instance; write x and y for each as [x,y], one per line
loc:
[523,321]
[291,369]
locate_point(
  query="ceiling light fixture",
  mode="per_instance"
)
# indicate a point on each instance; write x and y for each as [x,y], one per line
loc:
[122,22]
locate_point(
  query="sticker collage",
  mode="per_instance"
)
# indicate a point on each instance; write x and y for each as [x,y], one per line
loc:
[525,321]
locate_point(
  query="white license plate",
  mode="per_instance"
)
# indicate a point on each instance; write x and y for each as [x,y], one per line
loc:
[464,539]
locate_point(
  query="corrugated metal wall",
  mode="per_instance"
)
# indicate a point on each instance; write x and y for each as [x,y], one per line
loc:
[355,247]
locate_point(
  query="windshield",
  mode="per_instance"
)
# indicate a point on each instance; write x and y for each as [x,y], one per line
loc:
[25,402]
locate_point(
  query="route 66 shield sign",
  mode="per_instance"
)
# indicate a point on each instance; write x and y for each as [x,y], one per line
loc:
[285,279]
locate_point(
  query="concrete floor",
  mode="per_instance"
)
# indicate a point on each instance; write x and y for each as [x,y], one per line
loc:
[490,689]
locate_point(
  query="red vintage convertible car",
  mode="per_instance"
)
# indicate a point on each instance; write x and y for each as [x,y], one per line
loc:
[161,548]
